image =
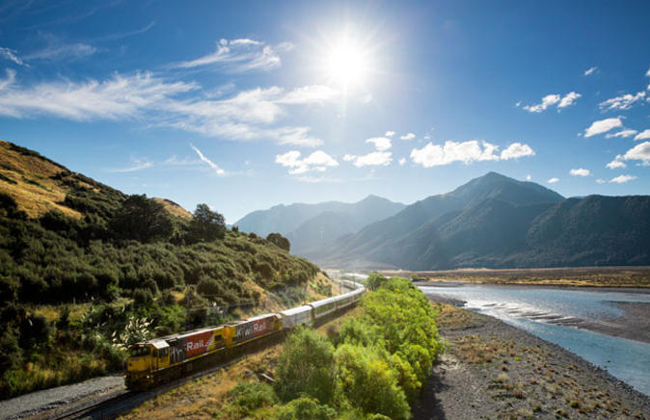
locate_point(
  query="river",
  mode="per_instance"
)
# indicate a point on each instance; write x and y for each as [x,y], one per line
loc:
[554,314]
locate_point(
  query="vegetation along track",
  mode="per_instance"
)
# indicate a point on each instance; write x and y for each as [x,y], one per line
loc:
[120,401]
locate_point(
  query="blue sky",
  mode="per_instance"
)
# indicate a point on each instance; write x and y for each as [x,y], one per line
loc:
[247,105]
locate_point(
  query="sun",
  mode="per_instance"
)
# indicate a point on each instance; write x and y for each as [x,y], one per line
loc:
[346,63]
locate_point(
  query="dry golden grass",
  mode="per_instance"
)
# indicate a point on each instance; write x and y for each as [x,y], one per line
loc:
[586,276]
[174,209]
[34,190]
[32,187]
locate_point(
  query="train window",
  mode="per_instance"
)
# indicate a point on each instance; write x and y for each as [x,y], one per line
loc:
[140,351]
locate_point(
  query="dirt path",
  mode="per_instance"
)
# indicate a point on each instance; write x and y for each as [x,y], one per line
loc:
[494,371]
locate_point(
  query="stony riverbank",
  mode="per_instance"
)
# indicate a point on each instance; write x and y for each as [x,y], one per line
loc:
[494,371]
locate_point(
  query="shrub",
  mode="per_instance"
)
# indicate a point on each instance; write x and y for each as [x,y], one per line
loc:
[306,366]
[375,281]
[370,383]
[244,399]
[305,408]
[279,240]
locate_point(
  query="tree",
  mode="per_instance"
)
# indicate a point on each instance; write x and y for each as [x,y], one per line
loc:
[306,366]
[369,382]
[279,240]
[142,219]
[207,225]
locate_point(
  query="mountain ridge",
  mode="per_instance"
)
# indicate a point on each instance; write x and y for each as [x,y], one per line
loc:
[495,221]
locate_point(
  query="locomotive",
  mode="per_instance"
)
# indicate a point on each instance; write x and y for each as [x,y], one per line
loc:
[162,359]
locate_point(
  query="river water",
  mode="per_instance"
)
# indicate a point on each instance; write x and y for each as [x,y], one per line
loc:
[552,313]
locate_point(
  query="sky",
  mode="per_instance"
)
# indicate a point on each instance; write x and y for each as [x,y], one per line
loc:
[249,104]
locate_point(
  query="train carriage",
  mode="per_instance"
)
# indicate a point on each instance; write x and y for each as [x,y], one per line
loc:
[301,315]
[323,307]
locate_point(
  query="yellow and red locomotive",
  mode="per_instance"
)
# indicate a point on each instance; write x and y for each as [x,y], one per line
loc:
[159,360]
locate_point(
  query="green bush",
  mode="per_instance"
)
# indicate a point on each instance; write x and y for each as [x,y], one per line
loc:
[369,382]
[244,399]
[305,408]
[307,367]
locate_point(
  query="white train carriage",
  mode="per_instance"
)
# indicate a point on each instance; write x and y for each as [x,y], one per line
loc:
[323,307]
[293,317]
[350,298]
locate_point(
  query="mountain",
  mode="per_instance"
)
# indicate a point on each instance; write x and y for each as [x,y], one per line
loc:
[309,226]
[495,221]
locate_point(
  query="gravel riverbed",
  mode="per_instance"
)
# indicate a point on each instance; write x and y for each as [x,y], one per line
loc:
[40,402]
[492,370]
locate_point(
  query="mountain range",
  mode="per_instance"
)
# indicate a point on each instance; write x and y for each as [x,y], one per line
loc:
[312,226]
[496,222]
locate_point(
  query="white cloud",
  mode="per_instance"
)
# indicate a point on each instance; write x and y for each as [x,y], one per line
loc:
[402,161]
[644,135]
[241,55]
[622,179]
[406,137]
[63,52]
[9,54]
[175,161]
[517,150]
[389,133]
[467,152]
[211,164]
[518,104]
[623,133]
[371,159]
[136,165]
[553,99]
[568,99]
[617,163]
[647,73]
[553,180]
[639,152]
[547,101]
[580,172]
[528,177]
[622,102]
[603,126]
[600,181]
[248,115]
[318,161]
[118,97]
[381,143]
[591,71]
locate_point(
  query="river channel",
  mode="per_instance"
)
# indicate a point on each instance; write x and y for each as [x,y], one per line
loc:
[562,316]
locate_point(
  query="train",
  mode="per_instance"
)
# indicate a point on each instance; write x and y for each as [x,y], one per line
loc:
[162,359]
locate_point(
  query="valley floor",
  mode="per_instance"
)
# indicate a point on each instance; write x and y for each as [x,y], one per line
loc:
[494,371]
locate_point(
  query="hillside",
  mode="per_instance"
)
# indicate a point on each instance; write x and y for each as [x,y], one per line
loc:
[85,270]
[498,222]
[310,226]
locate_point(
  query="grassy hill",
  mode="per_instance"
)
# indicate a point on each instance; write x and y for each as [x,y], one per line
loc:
[85,270]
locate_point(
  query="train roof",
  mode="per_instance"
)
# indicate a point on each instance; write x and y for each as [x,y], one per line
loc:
[297,310]
[324,301]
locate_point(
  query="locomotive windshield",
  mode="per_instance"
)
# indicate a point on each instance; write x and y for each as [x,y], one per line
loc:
[140,351]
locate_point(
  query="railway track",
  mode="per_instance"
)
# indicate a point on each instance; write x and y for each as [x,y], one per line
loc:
[121,401]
